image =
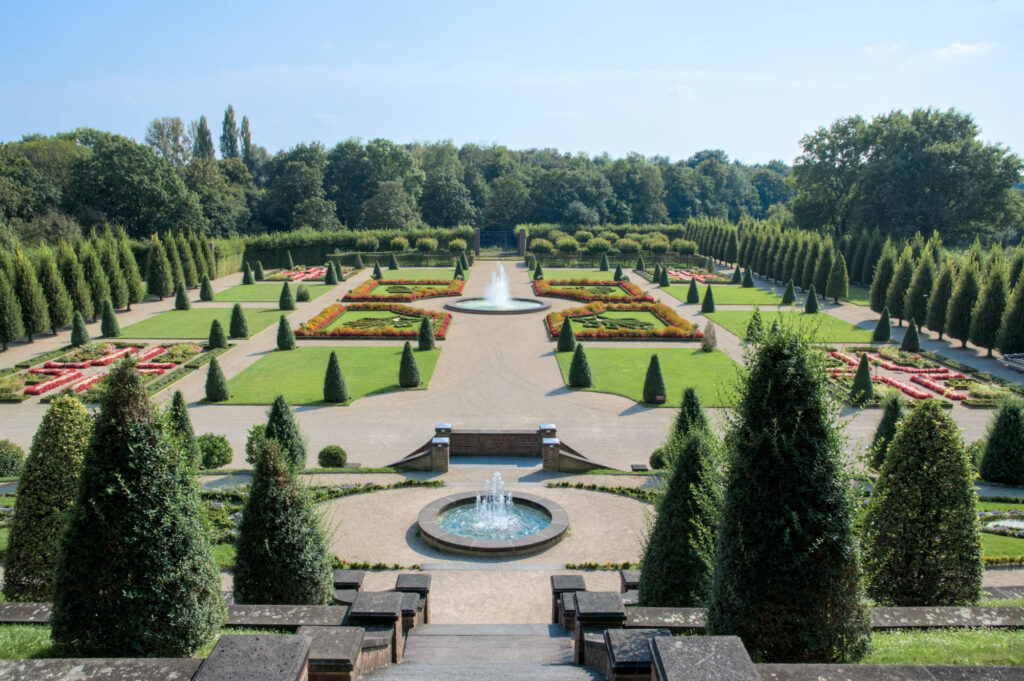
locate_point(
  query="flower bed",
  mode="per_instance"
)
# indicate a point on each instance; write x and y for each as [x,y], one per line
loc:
[702,276]
[624,291]
[920,371]
[317,326]
[303,274]
[676,328]
[420,289]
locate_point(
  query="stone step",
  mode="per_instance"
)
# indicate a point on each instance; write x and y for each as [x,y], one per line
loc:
[484,671]
[542,644]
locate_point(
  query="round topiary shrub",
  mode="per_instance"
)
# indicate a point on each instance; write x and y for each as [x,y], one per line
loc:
[426,244]
[598,245]
[568,245]
[12,458]
[302,294]
[215,450]
[627,246]
[367,243]
[399,244]
[657,460]
[456,246]
[332,456]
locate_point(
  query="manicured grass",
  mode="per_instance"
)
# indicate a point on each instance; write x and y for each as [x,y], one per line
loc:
[639,315]
[195,323]
[621,371]
[998,545]
[267,293]
[224,554]
[998,506]
[388,289]
[858,296]
[421,273]
[299,374]
[32,641]
[384,315]
[564,273]
[947,646]
[826,328]
[729,295]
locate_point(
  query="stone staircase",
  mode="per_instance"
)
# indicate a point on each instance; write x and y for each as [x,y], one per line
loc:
[449,652]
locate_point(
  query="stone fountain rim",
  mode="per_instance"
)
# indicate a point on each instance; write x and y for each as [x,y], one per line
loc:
[540,306]
[432,534]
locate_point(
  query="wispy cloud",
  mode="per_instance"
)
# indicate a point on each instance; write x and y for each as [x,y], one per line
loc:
[892,50]
[954,50]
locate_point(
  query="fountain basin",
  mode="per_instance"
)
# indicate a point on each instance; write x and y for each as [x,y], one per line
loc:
[484,306]
[431,530]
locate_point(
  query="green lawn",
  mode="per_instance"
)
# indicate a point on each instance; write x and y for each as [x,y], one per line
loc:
[947,646]
[32,641]
[299,374]
[826,327]
[348,317]
[579,323]
[858,296]
[563,273]
[195,323]
[998,545]
[621,371]
[421,273]
[266,293]
[729,295]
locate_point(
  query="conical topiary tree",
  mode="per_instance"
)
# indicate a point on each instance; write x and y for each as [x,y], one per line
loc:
[287,300]
[181,433]
[883,329]
[692,293]
[786,577]
[377,274]
[34,315]
[604,267]
[922,544]
[691,415]
[239,326]
[335,388]
[789,295]
[74,280]
[58,302]
[911,340]
[158,270]
[216,383]
[79,331]
[892,413]
[181,301]
[862,390]
[641,266]
[408,371]
[285,335]
[216,339]
[663,280]
[135,571]
[896,294]
[247,275]
[118,285]
[11,327]
[748,278]
[258,274]
[566,337]
[46,492]
[288,260]
[206,289]
[915,301]
[679,556]
[331,277]
[938,300]
[961,305]
[281,550]
[811,306]
[838,285]
[755,327]
[538,272]
[190,273]
[460,271]
[883,271]
[97,278]
[282,426]
[357,262]
[579,369]
[737,276]
[1003,456]
[464,261]
[426,334]
[108,324]
[654,383]
[1010,338]
[393,262]
[709,301]
[987,314]
[656,274]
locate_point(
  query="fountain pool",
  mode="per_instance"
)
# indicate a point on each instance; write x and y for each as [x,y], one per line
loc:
[498,299]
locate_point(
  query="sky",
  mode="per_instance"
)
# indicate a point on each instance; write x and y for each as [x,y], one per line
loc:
[658,78]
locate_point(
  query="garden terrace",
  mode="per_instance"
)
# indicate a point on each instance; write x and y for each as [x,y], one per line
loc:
[195,323]
[591,290]
[400,290]
[823,327]
[564,274]
[608,321]
[265,293]
[372,320]
[729,295]
[422,274]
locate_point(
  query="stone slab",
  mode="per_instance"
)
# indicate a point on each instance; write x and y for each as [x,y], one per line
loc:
[100,669]
[336,648]
[947,616]
[25,613]
[639,467]
[286,616]
[560,583]
[267,657]
[629,650]
[630,579]
[1004,591]
[631,598]
[383,606]
[876,672]
[568,602]
[677,620]
[599,605]
[345,596]
[349,579]
[410,603]
[375,635]
[415,582]
[701,658]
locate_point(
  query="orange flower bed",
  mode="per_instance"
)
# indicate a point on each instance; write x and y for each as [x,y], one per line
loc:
[677,327]
[364,292]
[624,291]
[315,327]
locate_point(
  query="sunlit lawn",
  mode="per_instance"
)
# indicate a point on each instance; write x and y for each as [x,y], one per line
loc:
[195,323]
[825,327]
[267,293]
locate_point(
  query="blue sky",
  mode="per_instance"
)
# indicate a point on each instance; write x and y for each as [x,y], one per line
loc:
[666,78]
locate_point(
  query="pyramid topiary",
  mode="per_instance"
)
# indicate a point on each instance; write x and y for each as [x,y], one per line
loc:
[755,327]
[579,370]
[640,264]
[285,335]
[737,276]
[79,332]
[239,327]
[180,432]
[259,274]
[892,412]
[159,281]
[748,279]
[206,290]
[789,295]
[247,275]
[618,273]
[408,371]
[286,300]
[216,383]
[862,390]
[1003,457]
[331,277]
[654,383]
[460,273]
[357,263]
[335,388]
[393,262]
[538,273]
[692,293]
[691,415]
[109,326]
[911,340]
[811,306]
[708,305]
[426,334]
[883,329]
[604,267]
[566,337]
[377,274]
[838,285]
[663,280]
[216,339]
[282,427]
[181,301]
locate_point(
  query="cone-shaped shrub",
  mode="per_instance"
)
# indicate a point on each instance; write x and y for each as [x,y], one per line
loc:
[1003,457]
[1010,338]
[281,426]
[838,285]
[181,301]
[892,413]
[74,280]
[579,370]
[604,263]
[786,579]
[679,557]
[755,327]
[335,389]
[247,275]
[737,276]
[691,415]
[883,272]
[206,289]
[663,279]
[181,434]
[426,334]
[392,262]
[618,273]
[281,549]
[108,325]
[239,327]
[464,261]
[331,278]
[408,371]
[710,340]
[654,382]
[911,340]
[708,305]
[34,315]
[961,305]
[862,389]
[922,544]
[566,337]
[538,272]
[692,293]
[286,301]
[915,301]
[259,274]
[285,335]
[789,295]
[656,275]
[46,492]
[358,262]
[288,259]
[11,327]
[216,384]
[79,332]
[987,314]
[640,264]
[135,572]
[460,273]
[896,294]
[58,302]
[217,339]
[748,278]
[938,300]
[883,329]
[811,306]
[159,281]
[377,274]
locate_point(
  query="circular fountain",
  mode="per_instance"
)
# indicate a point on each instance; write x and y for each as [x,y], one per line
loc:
[498,299]
[493,522]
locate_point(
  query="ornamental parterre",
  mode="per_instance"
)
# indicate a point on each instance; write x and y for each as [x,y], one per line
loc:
[405,291]
[676,328]
[580,289]
[318,326]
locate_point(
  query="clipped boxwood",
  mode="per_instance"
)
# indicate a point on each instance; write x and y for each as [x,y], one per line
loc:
[215,450]
[12,458]
[332,456]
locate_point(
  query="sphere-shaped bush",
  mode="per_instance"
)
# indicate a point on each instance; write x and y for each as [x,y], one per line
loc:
[332,456]
[541,246]
[215,450]
[367,242]
[12,458]
[426,244]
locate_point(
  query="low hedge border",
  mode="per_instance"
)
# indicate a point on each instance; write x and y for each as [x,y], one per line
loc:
[363,292]
[45,357]
[313,328]
[646,495]
[678,329]
[563,289]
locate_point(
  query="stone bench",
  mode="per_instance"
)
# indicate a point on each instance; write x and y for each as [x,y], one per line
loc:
[285,616]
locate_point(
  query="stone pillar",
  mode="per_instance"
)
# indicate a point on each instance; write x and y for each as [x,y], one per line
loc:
[561,584]
[521,238]
[550,447]
[380,608]
[476,240]
[595,612]
[439,451]
[443,430]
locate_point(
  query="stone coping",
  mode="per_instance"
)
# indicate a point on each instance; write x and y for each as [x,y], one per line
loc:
[433,535]
[701,658]
[267,657]
[895,672]
[108,669]
[538,306]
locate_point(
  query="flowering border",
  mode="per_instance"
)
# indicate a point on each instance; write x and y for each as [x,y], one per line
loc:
[314,328]
[563,289]
[677,329]
[363,292]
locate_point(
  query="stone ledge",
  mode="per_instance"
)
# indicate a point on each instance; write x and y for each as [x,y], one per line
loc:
[875,672]
[100,669]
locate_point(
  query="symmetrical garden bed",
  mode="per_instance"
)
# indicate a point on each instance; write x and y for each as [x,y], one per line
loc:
[401,290]
[730,294]
[592,290]
[301,273]
[607,321]
[372,320]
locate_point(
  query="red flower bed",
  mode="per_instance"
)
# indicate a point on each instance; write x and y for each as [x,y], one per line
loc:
[685,276]
[938,388]
[677,327]
[298,274]
[363,292]
[314,328]
[627,291]
[63,378]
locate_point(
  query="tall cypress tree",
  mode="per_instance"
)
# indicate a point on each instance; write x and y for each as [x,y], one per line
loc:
[826,258]
[938,300]
[199,256]
[74,280]
[654,383]
[116,281]
[915,302]
[884,270]
[202,142]
[408,371]
[282,426]
[708,305]
[181,433]
[58,302]
[838,284]
[961,304]
[239,327]
[566,337]
[896,295]
[786,576]
[810,263]
[579,369]
[1003,457]
[229,134]
[922,544]
[34,315]
[189,268]
[173,256]
[1010,338]
[136,571]
[130,269]
[108,323]
[158,270]
[285,335]
[245,142]
[335,388]
[11,326]
[99,286]
[46,492]
[987,314]
[892,413]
